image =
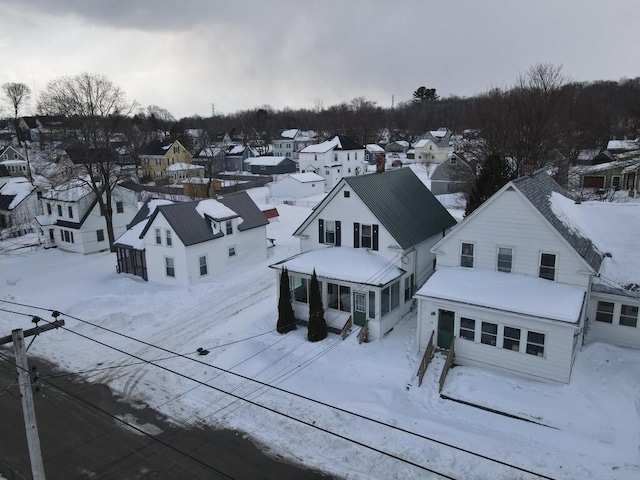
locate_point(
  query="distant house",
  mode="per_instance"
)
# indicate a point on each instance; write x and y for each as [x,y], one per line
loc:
[399,146]
[621,146]
[14,161]
[615,175]
[193,242]
[368,242]
[333,160]
[373,152]
[434,147]
[181,171]
[525,277]
[296,185]
[18,206]
[453,175]
[73,221]
[212,158]
[291,141]
[160,154]
[235,155]
[270,165]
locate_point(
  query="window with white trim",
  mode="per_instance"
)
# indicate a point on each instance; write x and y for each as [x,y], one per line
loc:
[100,235]
[604,312]
[467,328]
[119,207]
[299,289]
[511,339]
[229,227]
[535,343]
[202,262]
[466,255]
[330,232]
[489,334]
[70,210]
[505,259]
[366,236]
[629,315]
[547,268]
[158,237]
[169,267]
[59,210]
[232,251]
[168,238]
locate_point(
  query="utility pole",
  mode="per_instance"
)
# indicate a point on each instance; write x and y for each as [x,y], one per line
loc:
[24,381]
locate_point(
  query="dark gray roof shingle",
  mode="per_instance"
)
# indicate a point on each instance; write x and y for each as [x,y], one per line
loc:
[538,188]
[402,203]
[241,203]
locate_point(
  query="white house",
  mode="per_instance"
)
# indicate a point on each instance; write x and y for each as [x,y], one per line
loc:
[333,160]
[72,219]
[296,185]
[193,242]
[18,206]
[520,280]
[369,242]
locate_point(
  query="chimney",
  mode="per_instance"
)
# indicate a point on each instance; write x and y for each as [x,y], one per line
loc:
[380,164]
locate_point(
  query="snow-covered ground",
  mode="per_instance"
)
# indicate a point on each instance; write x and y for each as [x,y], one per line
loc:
[588,429]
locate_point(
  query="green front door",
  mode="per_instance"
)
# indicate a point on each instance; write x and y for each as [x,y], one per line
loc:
[359,308]
[445,328]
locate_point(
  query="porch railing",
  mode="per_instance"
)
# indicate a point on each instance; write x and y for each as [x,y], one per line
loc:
[447,365]
[428,354]
[363,333]
[347,327]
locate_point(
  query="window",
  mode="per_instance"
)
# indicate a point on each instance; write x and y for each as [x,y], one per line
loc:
[535,343]
[70,210]
[168,266]
[119,207]
[466,255]
[511,339]
[629,315]
[467,328]
[390,298]
[202,261]
[347,194]
[345,298]
[100,235]
[372,304]
[168,238]
[158,162]
[330,232]
[366,236]
[547,266]
[505,259]
[232,251]
[59,210]
[489,333]
[158,237]
[604,312]
[299,289]
[229,227]
[615,182]
[176,149]
[408,288]
[332,295]
[48,209]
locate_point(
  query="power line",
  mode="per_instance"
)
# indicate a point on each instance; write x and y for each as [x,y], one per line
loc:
[318,402]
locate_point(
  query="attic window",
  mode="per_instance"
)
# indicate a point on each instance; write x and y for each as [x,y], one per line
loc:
[347,194]
[453,160]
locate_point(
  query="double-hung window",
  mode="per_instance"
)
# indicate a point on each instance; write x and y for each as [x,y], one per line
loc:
[202,261]
[466,255]
[505,259]
[467,328]
[229,227]
[511,339]
[547,266]
[330,232]
[119,207]
[366,236]
[168,238]
[535,343]
[158,237]
[489,334]
[169,268]
[604,312]
[629,315]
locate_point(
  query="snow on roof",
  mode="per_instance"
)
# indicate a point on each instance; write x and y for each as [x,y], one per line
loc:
[291,133]
[504,291]
[69,192]
[265,161]
[19,188]
[236,150]
[132,236]
[214,209]
[438,133]
[613,228]
[374,147]
[344,263]
[622,145]
[322,147]
[307,177]
[600,167]
[14,162]
[183,166]
[421,143]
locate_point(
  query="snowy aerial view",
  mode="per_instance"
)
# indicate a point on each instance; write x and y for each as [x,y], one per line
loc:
[360,240]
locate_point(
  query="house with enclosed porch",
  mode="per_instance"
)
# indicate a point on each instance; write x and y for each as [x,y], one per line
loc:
[613,175]
[73,221]
[18,206]
[193,242]
[369,243]
[160,154]
[333,160]
[522,279]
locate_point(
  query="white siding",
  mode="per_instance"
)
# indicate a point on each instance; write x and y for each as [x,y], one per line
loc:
[287,187]
[613,333]
[558,350]
[511,222]
[155,254]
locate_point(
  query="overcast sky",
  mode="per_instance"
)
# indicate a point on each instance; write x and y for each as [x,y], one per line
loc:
[187,55]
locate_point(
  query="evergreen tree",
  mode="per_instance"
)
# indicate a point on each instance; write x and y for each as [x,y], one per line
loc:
[317,324]
[286,317]
[496,172]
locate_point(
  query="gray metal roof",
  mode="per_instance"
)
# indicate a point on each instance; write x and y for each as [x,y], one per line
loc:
[193,228]
[403,205]
[241,203]
[538,188]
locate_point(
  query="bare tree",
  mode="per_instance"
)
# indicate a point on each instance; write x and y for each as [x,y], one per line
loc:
[98,108]
[17,95]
